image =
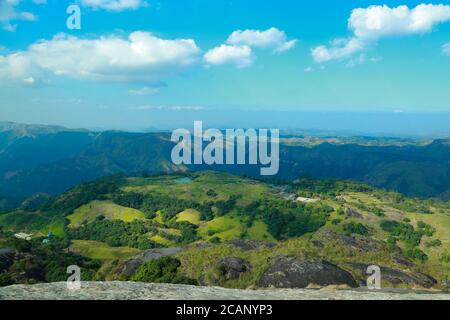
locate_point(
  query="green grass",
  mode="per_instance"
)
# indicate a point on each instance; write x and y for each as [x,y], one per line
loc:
[226,228]
[162,241]
[92,210]
[189,215]
[37,223]
[224,185]
[258,231]
[101,251]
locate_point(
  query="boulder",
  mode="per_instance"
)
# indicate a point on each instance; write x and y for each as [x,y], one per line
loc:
[6,258]
[232,267]
[353,213]
[288,272]
[397,277]
[248,245]
[131,266]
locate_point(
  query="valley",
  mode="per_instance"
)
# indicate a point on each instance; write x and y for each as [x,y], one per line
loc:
[231,231]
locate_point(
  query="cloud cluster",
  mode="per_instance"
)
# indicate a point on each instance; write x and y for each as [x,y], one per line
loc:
[141,58]
[114,5]
[371,24]
[240,56]
[9,13]
[238,49]
[269,39]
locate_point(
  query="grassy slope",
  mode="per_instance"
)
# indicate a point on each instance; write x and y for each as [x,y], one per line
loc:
[201,262]
[101,251]
[90,211]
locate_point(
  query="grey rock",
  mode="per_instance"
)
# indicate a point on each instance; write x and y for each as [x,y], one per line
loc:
[6,258]
[402,261]
[296,273]
[317,244]
[131,266]
[150,291]
[355,242]
[248,245]
[232,267]
[353,213]
[396,277]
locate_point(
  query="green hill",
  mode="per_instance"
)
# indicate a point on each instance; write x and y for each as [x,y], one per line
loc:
[348,224]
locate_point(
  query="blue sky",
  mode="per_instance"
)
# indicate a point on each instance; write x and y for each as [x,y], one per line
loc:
[138,64]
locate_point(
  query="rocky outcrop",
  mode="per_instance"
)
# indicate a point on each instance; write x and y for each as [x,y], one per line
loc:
[295,273]
[6,258]
[353,213]
[131,266]
[355,242]
[396,277]
[150,291]
[248,245]
[232,267]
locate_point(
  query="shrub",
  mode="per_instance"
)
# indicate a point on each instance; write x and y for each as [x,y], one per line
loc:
[416,253]
[355,228]
[162,270]
[5,280]
[433,243]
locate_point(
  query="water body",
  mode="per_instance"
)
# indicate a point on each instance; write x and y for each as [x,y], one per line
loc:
[184,180]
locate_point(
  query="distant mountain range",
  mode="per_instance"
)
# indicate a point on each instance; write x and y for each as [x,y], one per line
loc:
[49,159]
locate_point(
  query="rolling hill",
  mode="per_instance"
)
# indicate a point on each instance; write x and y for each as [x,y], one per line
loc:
[50,160]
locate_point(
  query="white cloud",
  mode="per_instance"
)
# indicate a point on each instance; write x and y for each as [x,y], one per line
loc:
[446,49]
[10,13]
[339,49]
[240,56]
[142,58]
[238,49]
[114,5]
[381,21]
[368,25]
[269,39]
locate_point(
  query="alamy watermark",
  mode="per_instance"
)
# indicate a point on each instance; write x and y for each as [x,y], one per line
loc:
[236,146]
[374,280]
[74,280]
[74,20]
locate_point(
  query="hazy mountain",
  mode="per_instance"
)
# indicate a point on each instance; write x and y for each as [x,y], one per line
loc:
[41,159]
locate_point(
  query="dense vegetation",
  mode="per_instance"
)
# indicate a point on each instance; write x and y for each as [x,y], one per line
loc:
[162,270]
[37,262]
[115,233]
[103,223]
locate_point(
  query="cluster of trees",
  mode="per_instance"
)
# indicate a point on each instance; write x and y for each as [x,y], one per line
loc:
[308,186]
[162,270]
[171,206]
[286,219]
[116,233]
[411,237]
[36,263]
[355,228]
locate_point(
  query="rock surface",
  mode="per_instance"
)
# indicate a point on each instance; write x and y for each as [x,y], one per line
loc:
[289,272]
[248,245]
[149,291]
[131,266]
[232,267]
[397,277]
[6,258]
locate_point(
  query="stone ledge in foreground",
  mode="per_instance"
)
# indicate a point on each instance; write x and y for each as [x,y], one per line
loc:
[151,291]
